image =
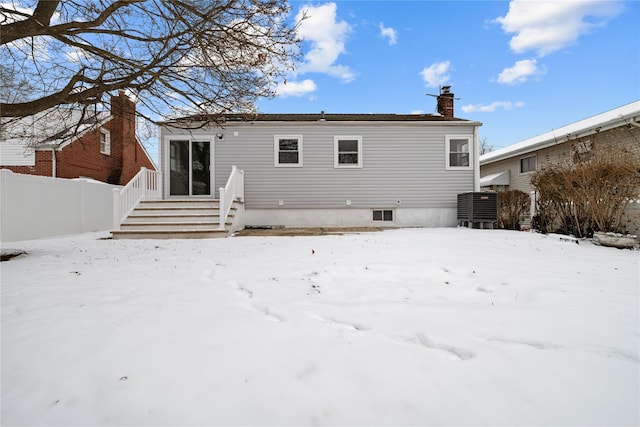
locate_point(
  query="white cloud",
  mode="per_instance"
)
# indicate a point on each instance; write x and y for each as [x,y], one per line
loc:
[548,26]
[389,33]
[520,72]
[481,108]
[327,38]
[436,74]
[76,55]
[296,88]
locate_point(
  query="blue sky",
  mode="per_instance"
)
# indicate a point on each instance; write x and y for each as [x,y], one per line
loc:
[522,68]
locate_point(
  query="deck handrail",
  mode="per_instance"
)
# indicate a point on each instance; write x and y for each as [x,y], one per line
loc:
[145,185]
[232,191]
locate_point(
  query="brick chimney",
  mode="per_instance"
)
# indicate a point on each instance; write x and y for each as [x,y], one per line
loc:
[445,102]
[123,133]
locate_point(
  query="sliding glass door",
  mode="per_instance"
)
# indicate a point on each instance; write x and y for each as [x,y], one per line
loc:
[189,168]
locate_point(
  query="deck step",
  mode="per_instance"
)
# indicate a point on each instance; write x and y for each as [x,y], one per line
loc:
[174,219]
[169,226]
[169,234]
[205,203]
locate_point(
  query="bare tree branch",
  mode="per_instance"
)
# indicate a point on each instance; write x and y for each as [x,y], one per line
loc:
[39,23]
[173,56]
[484,147]
[32,26]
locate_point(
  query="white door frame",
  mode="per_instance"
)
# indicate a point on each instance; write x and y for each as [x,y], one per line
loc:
[166,166]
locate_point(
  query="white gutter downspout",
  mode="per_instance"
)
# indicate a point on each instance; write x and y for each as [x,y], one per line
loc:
[636,124]
[53,162]
[476,161]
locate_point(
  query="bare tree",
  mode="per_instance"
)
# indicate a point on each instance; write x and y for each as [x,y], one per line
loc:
[484,147]
[11,88]
[172,56]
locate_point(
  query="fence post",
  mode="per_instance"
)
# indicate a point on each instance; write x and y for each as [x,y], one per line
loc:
[4,223]
[83,204]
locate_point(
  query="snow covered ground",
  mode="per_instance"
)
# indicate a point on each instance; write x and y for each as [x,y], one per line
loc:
[403,327]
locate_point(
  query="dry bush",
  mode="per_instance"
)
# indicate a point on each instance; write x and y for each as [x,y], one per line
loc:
[512,205]
[583,197]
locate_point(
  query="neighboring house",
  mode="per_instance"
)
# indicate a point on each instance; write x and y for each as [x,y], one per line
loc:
[103,146]
[304,170]
[511,167]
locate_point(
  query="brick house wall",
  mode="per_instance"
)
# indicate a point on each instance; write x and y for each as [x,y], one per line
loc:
[622,139]
[82,157]
[42,167]
[618,139]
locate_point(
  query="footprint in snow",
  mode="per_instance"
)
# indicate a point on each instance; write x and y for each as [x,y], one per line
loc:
[451,352]
[208,273]
[611,353]
[420,339]
[525,342]
[352,326]
[241,289]
[269,313]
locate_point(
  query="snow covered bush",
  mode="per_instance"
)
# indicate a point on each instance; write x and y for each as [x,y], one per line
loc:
[512,205]
[585,196]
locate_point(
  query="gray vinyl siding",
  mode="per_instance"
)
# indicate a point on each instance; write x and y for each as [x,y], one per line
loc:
[400,162]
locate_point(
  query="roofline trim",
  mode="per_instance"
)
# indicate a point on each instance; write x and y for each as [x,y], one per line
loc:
[204,125]
[589,126]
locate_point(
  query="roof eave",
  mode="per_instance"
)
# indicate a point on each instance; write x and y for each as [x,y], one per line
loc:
[201,122]
[556,137]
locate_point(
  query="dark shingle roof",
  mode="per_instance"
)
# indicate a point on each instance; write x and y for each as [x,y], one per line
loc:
[257,117]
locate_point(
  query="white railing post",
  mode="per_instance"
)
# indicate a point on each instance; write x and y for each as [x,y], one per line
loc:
[234,190]
[143,182]
[140,187]
[240,186]
[222,207]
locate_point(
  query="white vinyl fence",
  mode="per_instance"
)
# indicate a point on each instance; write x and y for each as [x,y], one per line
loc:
[32,207]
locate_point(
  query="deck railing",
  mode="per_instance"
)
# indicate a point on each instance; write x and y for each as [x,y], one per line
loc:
[145,185]
[234,190]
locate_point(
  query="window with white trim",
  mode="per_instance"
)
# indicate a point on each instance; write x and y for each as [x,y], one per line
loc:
[347,152]
[287,150]
[459,151]
[528,164]
[382,214]
[105,142]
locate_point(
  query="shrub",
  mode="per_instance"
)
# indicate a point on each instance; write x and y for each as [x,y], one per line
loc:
[512,205]
[583,197]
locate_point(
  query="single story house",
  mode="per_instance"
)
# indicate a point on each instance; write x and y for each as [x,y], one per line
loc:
[67,144]
[512,167]
[334,170]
